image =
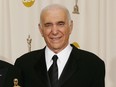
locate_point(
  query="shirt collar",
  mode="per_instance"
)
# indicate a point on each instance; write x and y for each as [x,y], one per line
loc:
[64,54]
[61,55]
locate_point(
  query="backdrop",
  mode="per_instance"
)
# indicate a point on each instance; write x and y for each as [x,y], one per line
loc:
[94,29]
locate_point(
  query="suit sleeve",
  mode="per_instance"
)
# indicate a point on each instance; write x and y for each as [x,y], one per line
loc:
[99,78]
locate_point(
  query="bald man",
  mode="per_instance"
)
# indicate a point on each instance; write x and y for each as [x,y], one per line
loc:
[59,64]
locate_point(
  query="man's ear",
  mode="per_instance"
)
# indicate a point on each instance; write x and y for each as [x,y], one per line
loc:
[40,29]
[71,26]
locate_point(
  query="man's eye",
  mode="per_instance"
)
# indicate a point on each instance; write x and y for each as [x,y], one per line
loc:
[47,25]
[61,24]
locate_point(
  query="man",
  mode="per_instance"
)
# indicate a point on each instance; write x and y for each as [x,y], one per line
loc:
[74,67]
[4,69]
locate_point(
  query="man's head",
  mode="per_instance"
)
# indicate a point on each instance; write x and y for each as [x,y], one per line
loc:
[55,26]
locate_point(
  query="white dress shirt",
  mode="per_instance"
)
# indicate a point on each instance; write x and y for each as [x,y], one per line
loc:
[62,58]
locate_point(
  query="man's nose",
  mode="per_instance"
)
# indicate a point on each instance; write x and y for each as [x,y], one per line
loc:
[54,29]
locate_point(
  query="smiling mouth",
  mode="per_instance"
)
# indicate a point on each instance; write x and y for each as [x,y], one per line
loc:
[56,39]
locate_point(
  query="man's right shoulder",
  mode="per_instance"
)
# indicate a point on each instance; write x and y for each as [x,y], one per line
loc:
[31,56]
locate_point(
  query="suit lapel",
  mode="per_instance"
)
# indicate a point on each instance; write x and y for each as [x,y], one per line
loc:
[41,69]
[69,68]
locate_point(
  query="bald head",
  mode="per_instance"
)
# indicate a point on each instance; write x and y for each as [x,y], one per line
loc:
[55,7]
[55,26]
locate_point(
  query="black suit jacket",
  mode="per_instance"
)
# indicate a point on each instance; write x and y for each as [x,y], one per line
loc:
[4,69]
[83,69]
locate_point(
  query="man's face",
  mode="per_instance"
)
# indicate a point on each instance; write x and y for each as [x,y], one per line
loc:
[56,29]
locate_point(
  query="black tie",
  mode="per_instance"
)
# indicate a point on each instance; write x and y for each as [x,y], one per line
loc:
[53,72]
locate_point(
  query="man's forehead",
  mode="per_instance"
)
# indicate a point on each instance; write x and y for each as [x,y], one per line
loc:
[49,22]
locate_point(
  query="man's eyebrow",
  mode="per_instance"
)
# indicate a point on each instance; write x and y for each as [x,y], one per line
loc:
[47,23]
[61,22]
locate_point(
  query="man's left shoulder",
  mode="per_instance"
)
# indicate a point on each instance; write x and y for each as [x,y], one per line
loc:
[87,55]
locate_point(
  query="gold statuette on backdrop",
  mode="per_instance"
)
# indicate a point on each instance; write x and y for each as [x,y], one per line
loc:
[28,3]
[76,44]
[15,81]
[76,8]
[29,40]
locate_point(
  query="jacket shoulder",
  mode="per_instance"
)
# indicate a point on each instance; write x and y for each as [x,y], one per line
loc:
[4,64]
[86,55]
[30,57]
